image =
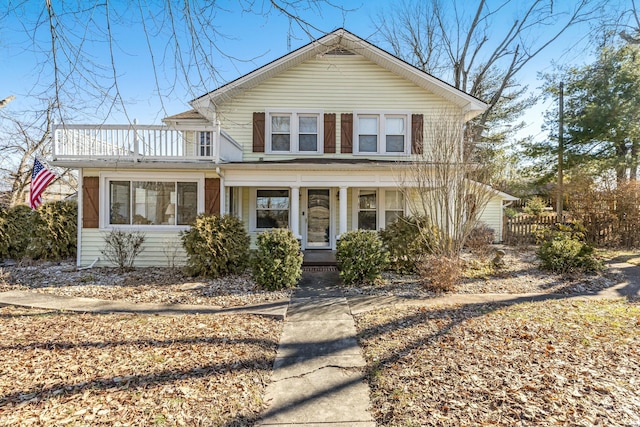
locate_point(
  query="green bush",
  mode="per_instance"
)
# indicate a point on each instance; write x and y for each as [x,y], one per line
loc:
[535,206]
[405,243]
[278,261]
[54,233]
[563,250]
[216,246]
[15,231]
[123,247]
[361,257]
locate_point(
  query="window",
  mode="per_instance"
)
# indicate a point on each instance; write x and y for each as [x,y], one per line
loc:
[280,133]
[206,147]
[272,208]
[367,210]
[381,133]
[393,206]
[376,208]
[308,133]
[294,132]
[368,134]
[394,134]
[152,202]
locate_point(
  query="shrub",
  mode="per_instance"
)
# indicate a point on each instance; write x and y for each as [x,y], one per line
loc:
[510,212]
[216,246]
[535,206]
[361,257]
[278,261]
[440,273]
[15,231]
[54,231]
[480,240]
[563,250]
[123,247]
[405,243]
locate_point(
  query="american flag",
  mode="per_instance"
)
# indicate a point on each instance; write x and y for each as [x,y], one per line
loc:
[40,178]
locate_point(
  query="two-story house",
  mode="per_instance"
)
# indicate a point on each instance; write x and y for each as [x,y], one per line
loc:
[311,141]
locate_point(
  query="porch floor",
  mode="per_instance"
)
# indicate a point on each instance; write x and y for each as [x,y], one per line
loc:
[319,258]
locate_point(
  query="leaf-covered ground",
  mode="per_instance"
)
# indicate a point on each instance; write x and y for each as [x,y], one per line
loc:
[566,363]
[133,370]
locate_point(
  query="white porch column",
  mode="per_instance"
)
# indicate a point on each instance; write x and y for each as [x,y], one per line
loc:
[343,211]
[223,198]
[295,211]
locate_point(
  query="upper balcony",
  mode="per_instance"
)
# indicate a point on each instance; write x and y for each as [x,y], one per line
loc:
[84,145]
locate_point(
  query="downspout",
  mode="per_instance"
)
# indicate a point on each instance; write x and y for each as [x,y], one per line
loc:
[223,191]
[218,142]
[80,217]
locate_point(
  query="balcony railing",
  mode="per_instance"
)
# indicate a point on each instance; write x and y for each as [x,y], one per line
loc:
[131,142]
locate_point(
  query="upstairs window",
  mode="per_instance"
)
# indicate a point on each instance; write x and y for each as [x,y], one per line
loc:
[381,133]
[294,132]
[206,147]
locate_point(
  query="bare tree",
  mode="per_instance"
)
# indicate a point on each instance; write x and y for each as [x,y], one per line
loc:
[481,48]
[444,187]
[24,140]
[83,46]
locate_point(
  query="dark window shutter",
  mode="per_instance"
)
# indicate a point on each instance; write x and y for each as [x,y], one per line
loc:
[258,132]
[417,133]
[212,196]
[346,133]
[90,202]
[330,133]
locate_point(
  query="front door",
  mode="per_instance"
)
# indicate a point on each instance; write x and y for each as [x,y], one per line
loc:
[318,218]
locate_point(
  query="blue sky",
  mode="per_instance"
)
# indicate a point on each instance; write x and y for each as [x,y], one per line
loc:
[253,40]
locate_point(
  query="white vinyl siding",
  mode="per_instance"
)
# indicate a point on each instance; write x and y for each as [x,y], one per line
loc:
[341,84]
[492,217]
[159,248]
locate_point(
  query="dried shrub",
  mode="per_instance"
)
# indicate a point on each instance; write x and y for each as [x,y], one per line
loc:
[123,247]
[216,246]
[54,232]
[440,274]
[480,240]
[278,261]
[361,257]
[405,243]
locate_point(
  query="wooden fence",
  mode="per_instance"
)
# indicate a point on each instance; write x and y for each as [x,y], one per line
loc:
[603,229]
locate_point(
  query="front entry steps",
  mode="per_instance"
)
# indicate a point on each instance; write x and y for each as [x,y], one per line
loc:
[319,258]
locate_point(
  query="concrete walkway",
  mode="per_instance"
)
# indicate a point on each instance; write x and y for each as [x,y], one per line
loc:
[318,377]
[276,309]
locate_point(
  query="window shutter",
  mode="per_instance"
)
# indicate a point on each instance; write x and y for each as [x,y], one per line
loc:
[90,202]
[330,133]
[258,132]
[212,196]
[417,134]
[346,133]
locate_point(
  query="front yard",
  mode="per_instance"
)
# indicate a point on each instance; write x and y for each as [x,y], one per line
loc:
[572,362]
[568,363]
[69,369]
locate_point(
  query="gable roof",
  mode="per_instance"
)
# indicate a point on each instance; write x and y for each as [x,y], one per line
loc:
[342,41]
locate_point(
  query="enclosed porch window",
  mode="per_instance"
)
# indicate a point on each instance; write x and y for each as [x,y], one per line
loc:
[152,202]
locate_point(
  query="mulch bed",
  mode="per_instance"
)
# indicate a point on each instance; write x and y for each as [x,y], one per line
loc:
[568,363]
